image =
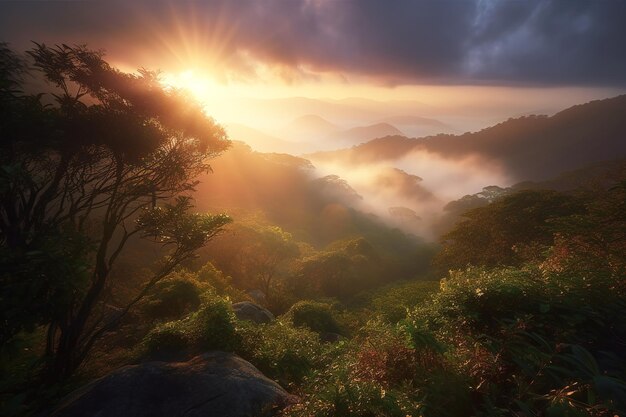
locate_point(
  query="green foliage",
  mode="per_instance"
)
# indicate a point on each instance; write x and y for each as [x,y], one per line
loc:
[316,316]
[173,297]
[513,229]
[50,273]
[337,393]
[341,270]
[174,225]
[75,173]
[256,255]
[379,373]
[593,243]
[393,302]
[220,282]
[281,351]
[212,327]
[514,331]
[171,338]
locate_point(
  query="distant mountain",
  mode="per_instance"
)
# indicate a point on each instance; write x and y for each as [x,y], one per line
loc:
[418,126]
[362,134]
[260,141]
[528,148]
[408,120]
[281,109]
[310,126]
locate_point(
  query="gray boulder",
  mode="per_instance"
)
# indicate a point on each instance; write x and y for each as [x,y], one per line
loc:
[213,384]
[246,310]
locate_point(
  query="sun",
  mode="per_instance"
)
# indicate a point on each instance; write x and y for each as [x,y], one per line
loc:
[201,87]
[215,97]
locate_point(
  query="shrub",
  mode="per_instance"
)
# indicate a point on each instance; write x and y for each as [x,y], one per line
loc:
[284,353]
[313,315]
[336,393]
[166,340]
[509,330]
[212,327]
[220,283]
[383,354]
[393,302]
[173,297]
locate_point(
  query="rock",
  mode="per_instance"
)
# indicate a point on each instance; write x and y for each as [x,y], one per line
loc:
[213,384]
[246,310]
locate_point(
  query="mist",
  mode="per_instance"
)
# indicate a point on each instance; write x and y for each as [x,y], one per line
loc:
[421,181]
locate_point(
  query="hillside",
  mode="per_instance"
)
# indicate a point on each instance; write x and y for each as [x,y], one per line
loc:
[529,148]
[311,125]
[260,141]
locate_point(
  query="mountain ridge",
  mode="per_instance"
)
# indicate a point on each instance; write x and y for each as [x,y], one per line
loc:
[531,147]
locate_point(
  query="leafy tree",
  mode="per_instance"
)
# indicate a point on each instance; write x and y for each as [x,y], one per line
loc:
[256,254]
[343,269]
[509,231]
[84,170]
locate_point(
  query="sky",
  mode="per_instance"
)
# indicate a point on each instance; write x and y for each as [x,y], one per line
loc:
[545,54]
[260,65]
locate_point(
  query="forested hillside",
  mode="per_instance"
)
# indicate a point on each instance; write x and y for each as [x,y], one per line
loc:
[149,266]
[529,148]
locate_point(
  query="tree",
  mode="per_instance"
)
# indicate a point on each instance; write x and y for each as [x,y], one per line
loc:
[263,253]
[102,159]
[344,268]
[509,231]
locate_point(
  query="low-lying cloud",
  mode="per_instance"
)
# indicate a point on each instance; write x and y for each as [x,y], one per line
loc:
[421,181]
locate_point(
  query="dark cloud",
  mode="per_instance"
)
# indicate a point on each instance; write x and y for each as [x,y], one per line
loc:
[572,42]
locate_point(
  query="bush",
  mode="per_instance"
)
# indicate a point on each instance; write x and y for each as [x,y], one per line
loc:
[393,302]
[383,354]
[510,332]
[316,316]
[173,297]
[220,283]
[212,327]
[379,373]
[564,308]
[336,393]
[166,340]
[280,351]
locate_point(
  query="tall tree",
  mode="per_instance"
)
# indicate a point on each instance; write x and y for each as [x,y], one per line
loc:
[104,157]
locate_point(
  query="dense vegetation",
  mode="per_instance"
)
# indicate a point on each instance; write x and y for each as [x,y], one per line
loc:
[522,313]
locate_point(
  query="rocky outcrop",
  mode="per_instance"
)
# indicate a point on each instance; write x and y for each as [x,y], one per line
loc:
[213,384]
[252,312]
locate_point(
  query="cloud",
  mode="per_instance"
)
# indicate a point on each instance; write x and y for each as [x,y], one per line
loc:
[564,42]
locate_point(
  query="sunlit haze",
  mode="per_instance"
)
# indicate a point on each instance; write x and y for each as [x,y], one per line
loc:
[313,208]
[319,76]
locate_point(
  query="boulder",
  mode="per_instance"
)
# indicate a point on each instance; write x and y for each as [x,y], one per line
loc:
[246,310]
[213,384]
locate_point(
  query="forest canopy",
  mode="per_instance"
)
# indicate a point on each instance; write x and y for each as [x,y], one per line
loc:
[108,267]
